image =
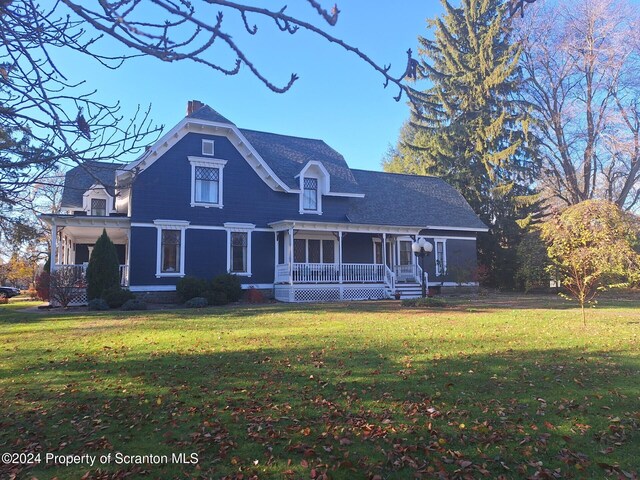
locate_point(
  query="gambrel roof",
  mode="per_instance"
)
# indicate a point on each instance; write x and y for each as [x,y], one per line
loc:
[288,155]
[82,177]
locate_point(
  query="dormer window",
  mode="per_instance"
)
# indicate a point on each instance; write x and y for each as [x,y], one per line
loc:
[314,183]
[207,148]
[310,195]
[99,207]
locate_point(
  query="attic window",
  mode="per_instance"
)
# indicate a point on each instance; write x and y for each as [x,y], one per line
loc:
[207,147]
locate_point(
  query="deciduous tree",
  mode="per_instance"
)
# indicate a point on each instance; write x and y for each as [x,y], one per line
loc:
[592,245]
[581,60]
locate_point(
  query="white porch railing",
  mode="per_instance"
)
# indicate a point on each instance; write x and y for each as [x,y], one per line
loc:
[362,272]
[390,279]
[331,273]
[79,273]
[316,273]
[282,273]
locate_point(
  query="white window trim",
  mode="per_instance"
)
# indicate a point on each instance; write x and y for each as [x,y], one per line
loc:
[170,225]
[437,240]
[208,163]
[324,185]
[243,228]
[213,149]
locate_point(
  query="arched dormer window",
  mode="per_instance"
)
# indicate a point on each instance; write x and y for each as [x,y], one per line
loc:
[314,182]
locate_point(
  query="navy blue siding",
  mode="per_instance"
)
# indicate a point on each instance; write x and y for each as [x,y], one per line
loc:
[143,257]
[205,253]
[246,198]
[262,258]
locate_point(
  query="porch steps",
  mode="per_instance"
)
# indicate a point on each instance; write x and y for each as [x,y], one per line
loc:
[409,290]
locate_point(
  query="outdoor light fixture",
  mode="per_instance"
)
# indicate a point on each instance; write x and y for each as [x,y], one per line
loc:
[422,248]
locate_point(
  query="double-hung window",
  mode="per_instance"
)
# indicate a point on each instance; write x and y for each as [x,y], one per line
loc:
[310,195]
[239,252]
[206,181]
[170,257]
[207,185]
[170,251]
[239,248]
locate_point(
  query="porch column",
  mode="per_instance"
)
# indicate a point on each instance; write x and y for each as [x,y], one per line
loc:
[384,250]
[127,259]
[291,256]
[54,245]
[275,255]
[340,255]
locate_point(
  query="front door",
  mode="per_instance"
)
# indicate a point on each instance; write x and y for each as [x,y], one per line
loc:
[405,261]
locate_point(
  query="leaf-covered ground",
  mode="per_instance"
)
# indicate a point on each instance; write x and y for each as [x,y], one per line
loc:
[499,387]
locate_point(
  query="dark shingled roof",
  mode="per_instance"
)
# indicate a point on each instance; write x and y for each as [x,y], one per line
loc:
[79,179]
[286,156]
[207,113]
[392,199]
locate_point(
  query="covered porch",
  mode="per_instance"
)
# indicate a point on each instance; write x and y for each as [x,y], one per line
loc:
[317,261]
[72,241]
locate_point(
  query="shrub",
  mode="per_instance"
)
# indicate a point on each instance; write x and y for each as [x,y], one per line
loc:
[43,283]
[254,296]
[217,297]
[134,304]
[98,304]
[424,302]
[116,296]
[196,302]
[103,272]
[191,287]
[229,284]
[63,289]
[32,292]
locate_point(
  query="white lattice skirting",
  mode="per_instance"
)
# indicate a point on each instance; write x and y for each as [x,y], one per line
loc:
[328,293]
[79,298]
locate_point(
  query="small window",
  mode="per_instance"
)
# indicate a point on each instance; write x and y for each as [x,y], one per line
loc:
[207,185]
[99,207]
[207,147]
[441,258]
[239,242]
[310,195]
[170,261]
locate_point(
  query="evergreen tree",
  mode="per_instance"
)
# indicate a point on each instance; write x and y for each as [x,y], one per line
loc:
[468,129]
[103,272]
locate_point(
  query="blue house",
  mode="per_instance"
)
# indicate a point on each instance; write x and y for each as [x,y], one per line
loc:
[285,214]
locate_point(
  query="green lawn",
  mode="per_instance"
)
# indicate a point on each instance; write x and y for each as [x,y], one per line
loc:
[487,387]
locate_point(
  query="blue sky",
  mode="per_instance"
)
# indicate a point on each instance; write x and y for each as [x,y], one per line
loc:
[338,98]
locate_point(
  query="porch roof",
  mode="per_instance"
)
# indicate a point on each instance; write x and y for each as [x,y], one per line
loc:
[344,227]
[87,229]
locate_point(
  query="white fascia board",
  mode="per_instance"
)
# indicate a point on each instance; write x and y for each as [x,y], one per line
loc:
[189,125]
[344,227]
[456,229]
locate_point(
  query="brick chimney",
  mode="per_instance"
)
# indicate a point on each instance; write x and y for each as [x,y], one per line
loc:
[193,106]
